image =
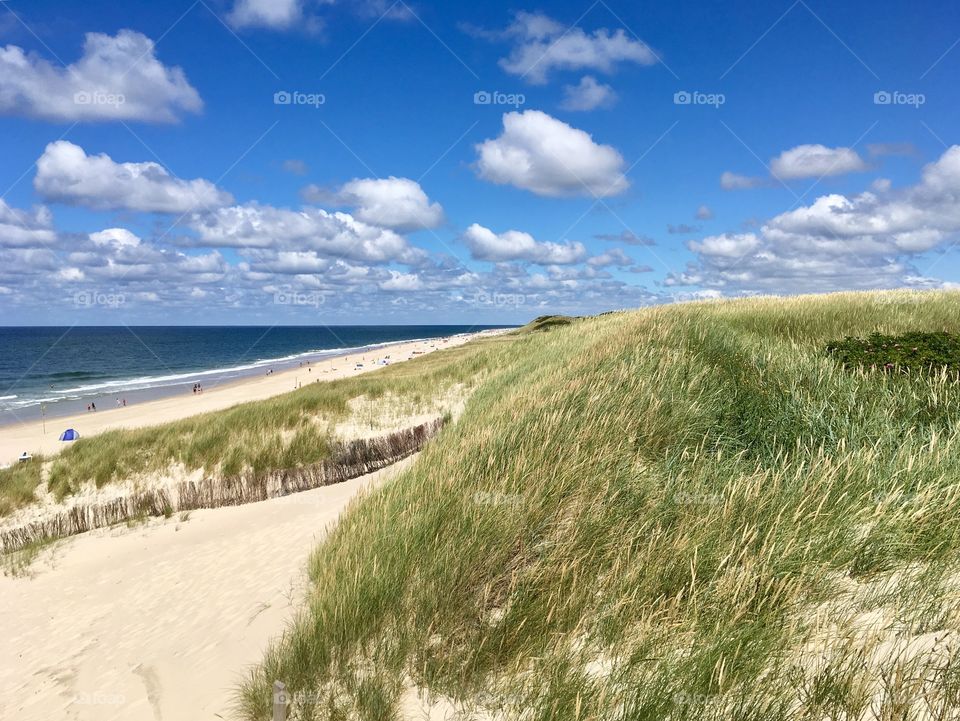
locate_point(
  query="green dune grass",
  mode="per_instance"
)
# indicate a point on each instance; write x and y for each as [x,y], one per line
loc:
[683,512]
[287,431]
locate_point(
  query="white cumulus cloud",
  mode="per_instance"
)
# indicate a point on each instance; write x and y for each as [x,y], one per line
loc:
[870,240]
[396,203]
[117,78]
[542,45]
[484,244]
[816,161]
[546,156]
[274,14]
[309,229]
[65,173]
[402,282]
[588,94]
[115,238]
[733,181]
[25,229]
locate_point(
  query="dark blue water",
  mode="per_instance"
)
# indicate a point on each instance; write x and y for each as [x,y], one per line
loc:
[66,368]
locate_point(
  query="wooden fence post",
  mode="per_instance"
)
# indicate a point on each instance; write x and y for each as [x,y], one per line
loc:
[279,701]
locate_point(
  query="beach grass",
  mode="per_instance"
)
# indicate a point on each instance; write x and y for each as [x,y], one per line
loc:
[18,563]
[18,484]
[288,431]
[682,512]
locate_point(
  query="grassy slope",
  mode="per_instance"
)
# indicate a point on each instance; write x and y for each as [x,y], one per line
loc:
[281,432]
[636,517]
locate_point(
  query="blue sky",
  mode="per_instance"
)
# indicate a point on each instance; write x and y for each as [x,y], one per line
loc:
[446,162]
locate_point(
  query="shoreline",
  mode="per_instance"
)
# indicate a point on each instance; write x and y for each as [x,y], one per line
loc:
[68,402]
[30,436]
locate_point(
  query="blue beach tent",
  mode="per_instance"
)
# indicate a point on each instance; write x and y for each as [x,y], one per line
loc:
[69,435]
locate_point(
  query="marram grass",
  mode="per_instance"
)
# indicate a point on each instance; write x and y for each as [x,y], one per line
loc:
[683,512]
[288,431]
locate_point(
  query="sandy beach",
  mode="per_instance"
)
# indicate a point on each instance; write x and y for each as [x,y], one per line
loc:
[160,621]
[31,438]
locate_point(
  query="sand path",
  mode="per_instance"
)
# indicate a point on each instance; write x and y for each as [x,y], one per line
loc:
[159,622]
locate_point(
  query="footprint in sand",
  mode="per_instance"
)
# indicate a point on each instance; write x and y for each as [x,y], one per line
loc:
[152,685]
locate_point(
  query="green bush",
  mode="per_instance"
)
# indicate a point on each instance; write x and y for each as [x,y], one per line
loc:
[907,353]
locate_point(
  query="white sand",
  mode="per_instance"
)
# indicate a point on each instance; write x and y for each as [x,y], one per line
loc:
[159,621]
[30,437]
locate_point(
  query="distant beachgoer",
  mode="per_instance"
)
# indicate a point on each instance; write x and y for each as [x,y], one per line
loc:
[93,406]
[88,407]
[118,403]
[124,402]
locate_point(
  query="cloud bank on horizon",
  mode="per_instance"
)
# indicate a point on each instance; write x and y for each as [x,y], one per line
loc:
[558,163]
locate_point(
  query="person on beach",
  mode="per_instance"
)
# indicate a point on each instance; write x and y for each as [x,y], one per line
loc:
[93,406]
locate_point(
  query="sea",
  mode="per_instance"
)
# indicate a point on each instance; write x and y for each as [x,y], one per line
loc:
[49,371]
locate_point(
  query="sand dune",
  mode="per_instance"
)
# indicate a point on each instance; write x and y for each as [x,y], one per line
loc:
[159,621]
[30,436]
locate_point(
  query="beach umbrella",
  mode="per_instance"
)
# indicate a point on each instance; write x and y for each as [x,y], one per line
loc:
[69,435]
